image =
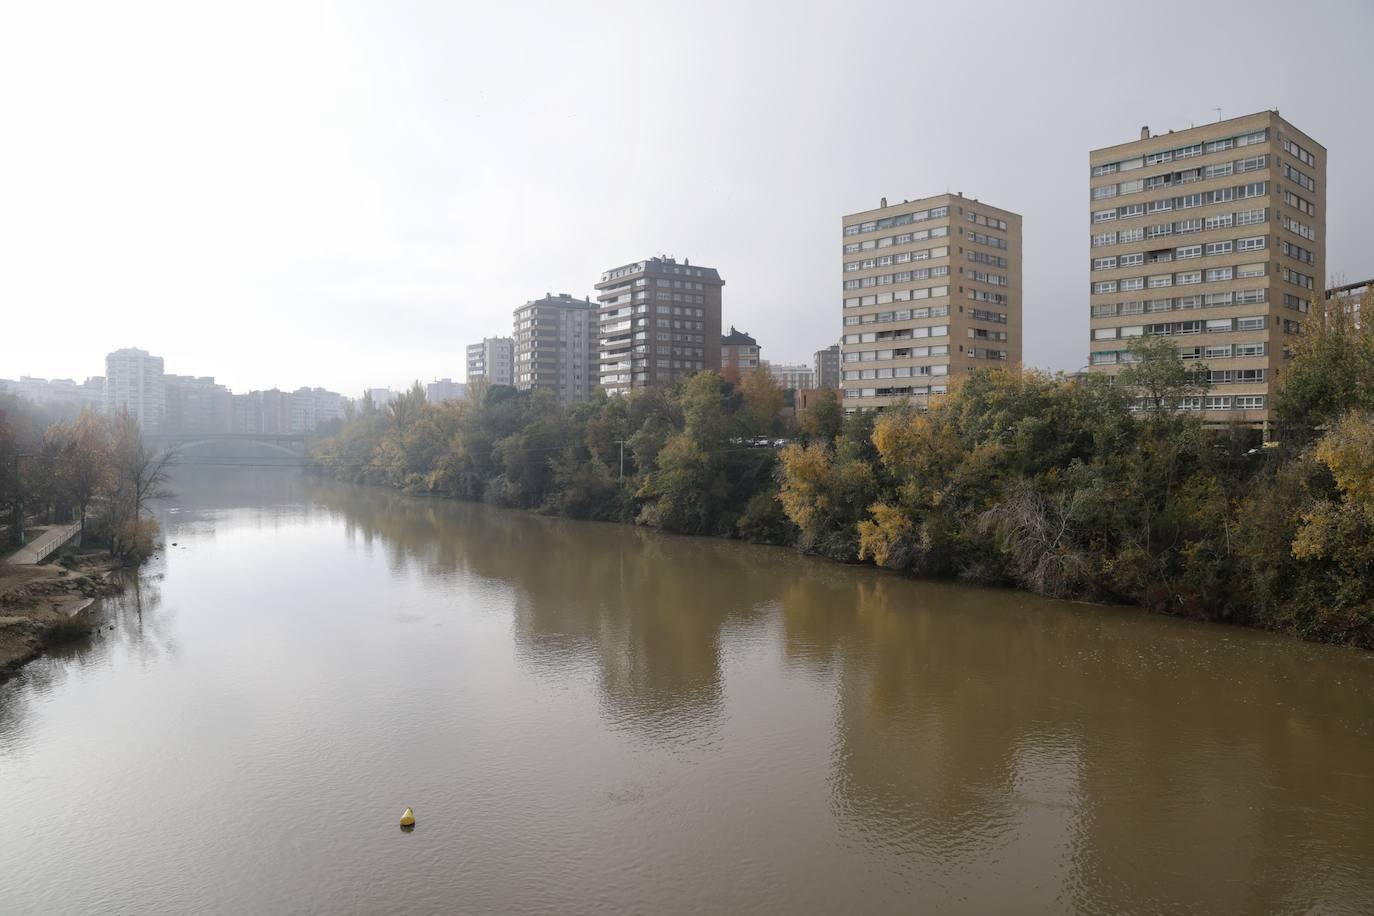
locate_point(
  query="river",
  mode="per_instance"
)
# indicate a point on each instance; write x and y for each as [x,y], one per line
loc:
[596,718]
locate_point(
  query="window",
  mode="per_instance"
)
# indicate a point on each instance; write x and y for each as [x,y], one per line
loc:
[1219,274]
[1250,349]
[1161,280]
[1222,195]
[1188,225]
[1250,402]
[1130,210]
[1222,351]
[1220,325]
[1104,334]
[1301,179]
[1251,217]
[1219,171]
[1103,358]
[1254,323]
[1187,277]
[1106,169]
[1217,146]
[1251,139]
[1219,248]
[1221,221]
[1217,402]
[1158,206]
[1104,309]
[1105,191]
[1132,260]
[1252,164]
[1299,229]
[1247,271]
[1130,235]
[1188,201]
[1131,187]
[1155,232]
[1256,189]
[1132,283]
[1297,152]
[1105,238]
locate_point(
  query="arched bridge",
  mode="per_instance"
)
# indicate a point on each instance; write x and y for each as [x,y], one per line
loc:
[290,444]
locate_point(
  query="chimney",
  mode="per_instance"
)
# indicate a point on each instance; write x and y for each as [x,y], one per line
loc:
[884,203]
[1145,132]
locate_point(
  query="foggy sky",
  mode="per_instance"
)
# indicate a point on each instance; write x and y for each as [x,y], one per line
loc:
[347,194]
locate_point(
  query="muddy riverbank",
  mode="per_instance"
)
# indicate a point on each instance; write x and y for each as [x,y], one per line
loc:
[46,605]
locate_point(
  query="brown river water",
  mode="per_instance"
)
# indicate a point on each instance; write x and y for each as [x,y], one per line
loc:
[591,718]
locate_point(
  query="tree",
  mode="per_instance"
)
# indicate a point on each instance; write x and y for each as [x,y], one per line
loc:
[1158,372]
[1332,371]
[823,419]
[84,467]
[139,476]
[761,413]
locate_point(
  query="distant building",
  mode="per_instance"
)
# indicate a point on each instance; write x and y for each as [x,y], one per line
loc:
[492,360]
[61,393]
[555,347]
[827,367]
[445,390]
[798,375]
[309,407]
[265,412]
[196,405]
[1351,297]
[658,323]
[381,397]
[134,383]
[739,353]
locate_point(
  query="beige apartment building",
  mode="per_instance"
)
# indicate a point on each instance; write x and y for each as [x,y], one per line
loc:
[659,322]
[555,347]
[932,289]
[1214,236]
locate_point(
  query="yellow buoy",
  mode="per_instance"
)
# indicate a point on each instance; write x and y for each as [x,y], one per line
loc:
[408,818]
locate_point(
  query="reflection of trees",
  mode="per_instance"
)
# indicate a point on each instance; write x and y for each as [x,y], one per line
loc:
[1176,779]
[644,608]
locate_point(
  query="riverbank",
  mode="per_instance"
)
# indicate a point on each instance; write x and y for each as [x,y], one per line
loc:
[46,605]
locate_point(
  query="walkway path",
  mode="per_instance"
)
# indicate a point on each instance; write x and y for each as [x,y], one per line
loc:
[37,550]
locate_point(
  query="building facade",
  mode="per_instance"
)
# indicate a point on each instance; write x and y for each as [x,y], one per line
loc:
[739,354]
[309,407]
[931,288]
[196,404]
[658,323]
[827,367]
[134,382]
[1214,236]
[556,347]
[445,389]
[791,376]
[492,360]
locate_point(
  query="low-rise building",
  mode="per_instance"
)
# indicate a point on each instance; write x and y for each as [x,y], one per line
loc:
[797,375]
[739,354]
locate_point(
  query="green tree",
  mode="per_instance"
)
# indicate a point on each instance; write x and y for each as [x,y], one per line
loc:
[1158,373]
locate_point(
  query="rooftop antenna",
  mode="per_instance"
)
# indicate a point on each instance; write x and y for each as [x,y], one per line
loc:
[1218,111]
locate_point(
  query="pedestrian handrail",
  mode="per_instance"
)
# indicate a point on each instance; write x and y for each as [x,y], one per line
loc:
[56,542]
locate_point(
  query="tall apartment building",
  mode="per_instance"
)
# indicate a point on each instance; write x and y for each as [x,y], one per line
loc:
[133,382]
[493,360]
[791,376]
[1214,236]
[659,322]
[739,353]
[309,407]
[556,347]
[932,288]
[827,367]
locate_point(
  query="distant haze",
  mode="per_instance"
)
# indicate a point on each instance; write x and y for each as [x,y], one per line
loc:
[345,195]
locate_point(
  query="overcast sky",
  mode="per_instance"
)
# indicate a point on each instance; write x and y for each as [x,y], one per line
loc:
[347,194]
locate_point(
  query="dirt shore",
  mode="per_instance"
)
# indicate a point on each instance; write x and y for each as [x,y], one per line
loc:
[44,605]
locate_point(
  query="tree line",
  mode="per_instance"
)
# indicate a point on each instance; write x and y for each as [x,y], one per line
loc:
[1074,487]
[83,469]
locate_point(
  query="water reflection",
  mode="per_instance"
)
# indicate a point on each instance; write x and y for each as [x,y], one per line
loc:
[1070,743]
[670,724]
